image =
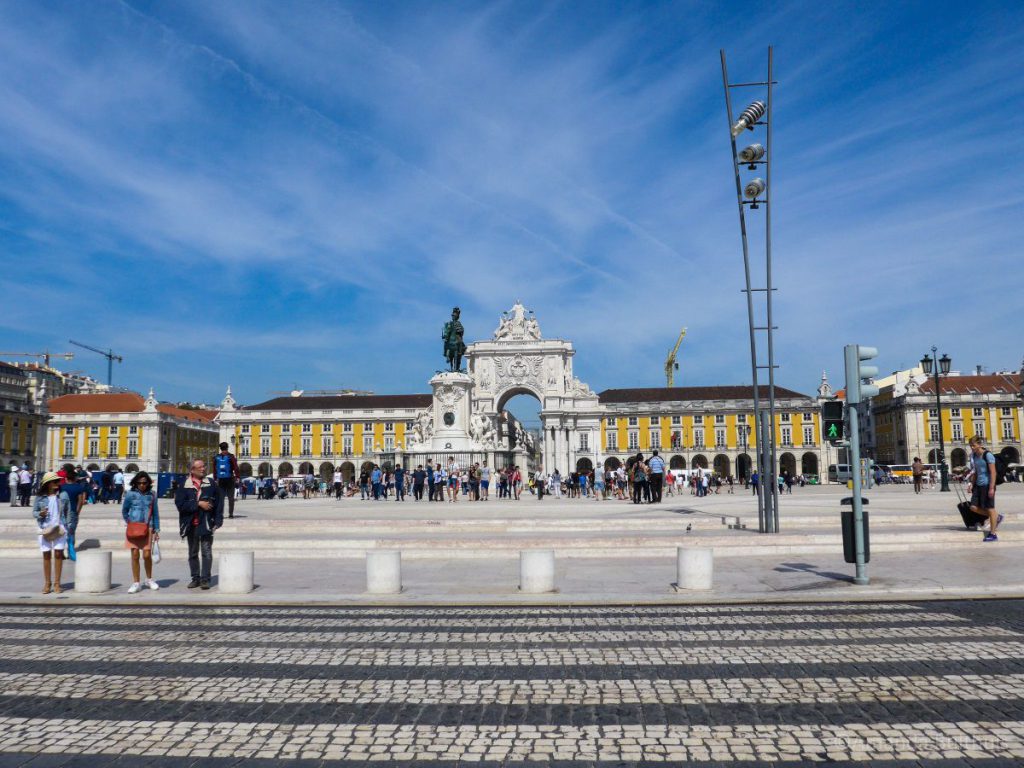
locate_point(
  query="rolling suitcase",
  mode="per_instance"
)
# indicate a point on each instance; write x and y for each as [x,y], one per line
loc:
[972,520]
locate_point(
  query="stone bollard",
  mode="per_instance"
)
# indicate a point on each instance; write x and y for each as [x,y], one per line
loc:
[235,576]
[537,571]
[384,571]
[694,568]
[92,572]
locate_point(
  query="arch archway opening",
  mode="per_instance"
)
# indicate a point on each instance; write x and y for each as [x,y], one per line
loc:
[327,472]
[787,464]
[809,464]
[583,464]
[743,464]
[132,468]
[306,468]
[612,463]
[348,471]
[245,469]
[722,465]
[1010,454]
[112,468]
[265,470]
[677,462]
[93,467]
[285,469]
[933,456]
[700,461]
[367,466]
[525,424]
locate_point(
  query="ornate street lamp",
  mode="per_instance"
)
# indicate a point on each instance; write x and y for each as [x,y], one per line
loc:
[928,366]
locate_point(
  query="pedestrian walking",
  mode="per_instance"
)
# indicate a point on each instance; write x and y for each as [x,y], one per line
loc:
[917,470]
[399,483]
[24,486]
[983,485]
[118,480]
[657,476]
[12,484]
[141,515]
[77,490]
[50,511]
[337,482]
[225,469]
[200,513]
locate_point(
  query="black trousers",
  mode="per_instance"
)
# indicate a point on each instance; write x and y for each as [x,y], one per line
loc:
[430,492]
[656,482]
[199,545]
[417,491]
[227,487]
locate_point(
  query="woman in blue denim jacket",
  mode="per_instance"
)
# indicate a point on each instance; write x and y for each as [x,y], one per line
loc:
[50,511]
[140,506]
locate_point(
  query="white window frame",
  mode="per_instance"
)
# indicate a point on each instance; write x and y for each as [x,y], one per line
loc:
[1007,430]
[808,434]
[326,445]
[633,438]
[286,445]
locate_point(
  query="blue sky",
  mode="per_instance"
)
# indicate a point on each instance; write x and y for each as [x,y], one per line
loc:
[271,194]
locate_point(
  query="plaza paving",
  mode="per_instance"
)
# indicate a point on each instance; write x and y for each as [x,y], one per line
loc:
[893,683]
[310,551]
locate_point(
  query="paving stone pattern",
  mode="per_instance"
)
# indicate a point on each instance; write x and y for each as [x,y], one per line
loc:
[895,684]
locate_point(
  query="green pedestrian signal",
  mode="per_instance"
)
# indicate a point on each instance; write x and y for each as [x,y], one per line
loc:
[833,423]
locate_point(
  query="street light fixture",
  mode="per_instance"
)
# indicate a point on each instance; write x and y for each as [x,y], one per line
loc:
[928,365]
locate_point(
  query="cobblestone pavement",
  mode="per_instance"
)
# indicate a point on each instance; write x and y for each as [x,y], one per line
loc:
[895,684]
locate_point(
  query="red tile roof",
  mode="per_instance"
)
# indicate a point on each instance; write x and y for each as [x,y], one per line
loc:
[103,402]
[186,413]
[120,402]
[986,384]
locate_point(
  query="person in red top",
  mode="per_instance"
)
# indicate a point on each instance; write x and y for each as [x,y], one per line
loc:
[200,512]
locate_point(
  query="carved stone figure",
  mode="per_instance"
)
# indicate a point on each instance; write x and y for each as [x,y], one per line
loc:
[454,346]
[515,325]
[481,429]
[422,428]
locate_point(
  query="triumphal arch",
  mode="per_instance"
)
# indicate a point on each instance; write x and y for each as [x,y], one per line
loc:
[468,411]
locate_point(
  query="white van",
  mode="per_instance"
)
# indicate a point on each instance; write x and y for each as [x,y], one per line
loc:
[839,473]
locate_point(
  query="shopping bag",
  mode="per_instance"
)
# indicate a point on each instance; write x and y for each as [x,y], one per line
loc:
[71,554]
[155,551]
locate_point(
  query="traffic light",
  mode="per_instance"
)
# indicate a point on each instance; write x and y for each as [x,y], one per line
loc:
[832,420]
[857,390]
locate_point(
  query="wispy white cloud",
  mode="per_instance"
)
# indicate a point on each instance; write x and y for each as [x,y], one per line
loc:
[308,188]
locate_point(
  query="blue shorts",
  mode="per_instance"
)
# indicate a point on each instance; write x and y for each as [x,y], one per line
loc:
[485,484]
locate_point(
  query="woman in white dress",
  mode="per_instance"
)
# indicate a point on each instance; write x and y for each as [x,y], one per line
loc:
[51,514]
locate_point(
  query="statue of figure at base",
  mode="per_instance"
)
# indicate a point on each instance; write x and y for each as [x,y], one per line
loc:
[454,346]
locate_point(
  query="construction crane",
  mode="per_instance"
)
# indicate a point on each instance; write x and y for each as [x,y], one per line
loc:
[44,355]
[671,366]
[109,354]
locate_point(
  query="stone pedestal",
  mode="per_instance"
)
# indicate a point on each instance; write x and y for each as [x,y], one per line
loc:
[452,399]
[235,576]
[383,572]
[694,568]
[92,572]
[537,571]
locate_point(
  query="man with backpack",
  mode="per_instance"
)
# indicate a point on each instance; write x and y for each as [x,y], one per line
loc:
[983,485]
[225,471]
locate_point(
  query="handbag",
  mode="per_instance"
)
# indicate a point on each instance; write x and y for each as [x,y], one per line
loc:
[52,532]
[70,552]
[155,551]
[139,530]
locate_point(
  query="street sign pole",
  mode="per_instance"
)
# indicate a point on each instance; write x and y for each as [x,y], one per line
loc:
[858,508]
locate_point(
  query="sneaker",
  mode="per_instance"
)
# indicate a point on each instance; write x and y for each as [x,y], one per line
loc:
[134,588]
[152,584]
[999,520]
[204,585]
[990,537]
[193,584]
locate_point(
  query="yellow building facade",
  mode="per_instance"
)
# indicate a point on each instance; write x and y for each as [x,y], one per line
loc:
[905,419]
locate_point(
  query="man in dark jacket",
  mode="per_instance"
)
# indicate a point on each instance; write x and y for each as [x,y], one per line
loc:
[225,470]
[200,512]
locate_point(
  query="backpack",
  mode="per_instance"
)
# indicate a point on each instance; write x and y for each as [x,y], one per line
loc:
[223,464]
[1002,467]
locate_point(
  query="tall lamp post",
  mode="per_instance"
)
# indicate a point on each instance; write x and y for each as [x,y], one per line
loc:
[930,365]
